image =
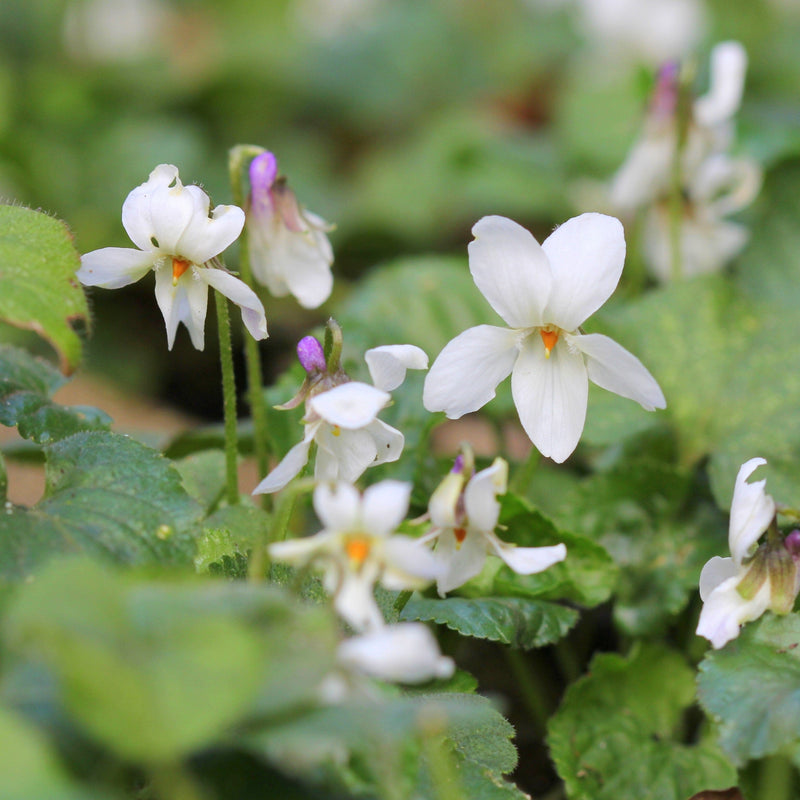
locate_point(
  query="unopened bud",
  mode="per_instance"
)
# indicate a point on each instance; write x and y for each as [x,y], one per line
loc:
[792,544]
[782,579]
[263,171]
[311,355]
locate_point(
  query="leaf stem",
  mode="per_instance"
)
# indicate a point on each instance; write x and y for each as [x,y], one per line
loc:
[228,398]
[174,782]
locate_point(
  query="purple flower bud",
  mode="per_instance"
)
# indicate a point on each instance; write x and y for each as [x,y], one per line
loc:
[311,355]
[263,171]
[458,464]
[792,544]
[665,96]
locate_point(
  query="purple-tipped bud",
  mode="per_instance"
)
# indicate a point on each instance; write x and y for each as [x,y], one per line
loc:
[665,97]
[792,544]
[263,172]
[311,355]
[458,464]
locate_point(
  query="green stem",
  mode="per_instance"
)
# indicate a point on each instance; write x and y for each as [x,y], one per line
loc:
[683,113]
[531,697]
[228,398]
[775,779]
[239,157]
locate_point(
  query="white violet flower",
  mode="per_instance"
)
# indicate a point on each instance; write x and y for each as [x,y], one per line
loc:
[741,588]
[177,237]
[544,293]
[342,415]
[289,251]
[356,548]
[464,511]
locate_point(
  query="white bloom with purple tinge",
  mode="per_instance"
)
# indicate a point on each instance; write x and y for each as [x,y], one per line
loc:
[357,549]
[464,511]
[544,293]
[741,588]
[289,251]
[343,419]
[177,236]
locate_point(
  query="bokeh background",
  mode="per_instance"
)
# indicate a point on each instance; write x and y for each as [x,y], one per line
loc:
[401,122]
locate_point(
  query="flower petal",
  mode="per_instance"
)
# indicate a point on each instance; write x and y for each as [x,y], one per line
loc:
[614,368]
[465,375]
[463,560]
[752,510]
[551,395]
[586,256]
[137,213]
[299,551]
[406,653]
[185,302]
[114,267]
[510,269]
[480,496]
[343,455]
[388,364]
[728,68]
[407,565]
[242,295]
[443,504]
[205,237]
[725,610]
[288,469]
[527,560]
[385,506]
[716,571]
[351,405]
[388,441]
[354,599]
[338,505]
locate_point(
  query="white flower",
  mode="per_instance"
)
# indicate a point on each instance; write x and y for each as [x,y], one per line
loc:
[741,588]
[464,519]
[403,653]
[544,293]
[356,548]
[289,251]
[176,237]
[342,417]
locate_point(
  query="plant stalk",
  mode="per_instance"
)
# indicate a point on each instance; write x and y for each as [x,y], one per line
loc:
[228,398]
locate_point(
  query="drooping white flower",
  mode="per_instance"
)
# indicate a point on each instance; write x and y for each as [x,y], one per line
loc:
[356,548]
[404,653]
[544,293]
[342,416]
[741,588]
[177,237]
[464,511]
[289,251]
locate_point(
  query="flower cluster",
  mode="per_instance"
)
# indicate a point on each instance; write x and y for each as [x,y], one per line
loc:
[713,184]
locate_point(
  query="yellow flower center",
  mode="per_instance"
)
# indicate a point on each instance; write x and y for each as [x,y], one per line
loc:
[357,550]
[549,337]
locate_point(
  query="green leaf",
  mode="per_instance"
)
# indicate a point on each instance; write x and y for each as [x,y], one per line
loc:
[38,262]
[106,495]
[189,659]
[517,621]
[751,688]
[613,738]
[587,575]
[26,384]
[227,537]
[203,475]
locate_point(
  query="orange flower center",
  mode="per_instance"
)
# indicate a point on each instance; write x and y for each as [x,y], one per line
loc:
[179,266]
[460,534]
[549,337]
[357,551]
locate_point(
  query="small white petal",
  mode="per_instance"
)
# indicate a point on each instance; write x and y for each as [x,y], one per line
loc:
[242,295]
[443,504]
[350,405]
[338,505]
[407,565]
[388,364]
[586,256]
[480,496]
[728,68]
[388,441]
[343,454]
[288,469]
[385,506]
[299,551]
[725,610]
[527,560]
[463,560]
[114,267]
[205,237]
[185,302]
[716,571]
[645,173]
[137,216]
[406,653]
[354,599]
[752,510]
[465,375]
[171,212]
[551,397]
[614,368]
[510,269]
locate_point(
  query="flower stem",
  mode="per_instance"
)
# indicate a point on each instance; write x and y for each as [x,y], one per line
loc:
[228,398]
[683,113]
[238,157]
